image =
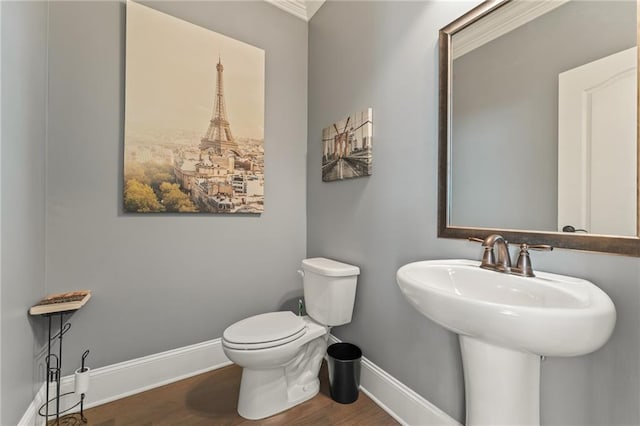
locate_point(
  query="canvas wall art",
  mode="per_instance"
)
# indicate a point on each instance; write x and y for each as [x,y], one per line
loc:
[346,147]
[194,118]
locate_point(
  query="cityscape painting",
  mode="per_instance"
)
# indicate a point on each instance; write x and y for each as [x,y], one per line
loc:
[346,147]
[194,118]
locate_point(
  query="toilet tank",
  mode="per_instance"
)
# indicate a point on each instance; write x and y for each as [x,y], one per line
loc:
[329,290]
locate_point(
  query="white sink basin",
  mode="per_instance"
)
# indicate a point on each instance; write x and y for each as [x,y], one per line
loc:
[550,314]
[505,323]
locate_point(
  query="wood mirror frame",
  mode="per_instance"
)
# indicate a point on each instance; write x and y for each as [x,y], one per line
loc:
[629,246]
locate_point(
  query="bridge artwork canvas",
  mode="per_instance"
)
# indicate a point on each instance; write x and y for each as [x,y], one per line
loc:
[194,118]
[346,147]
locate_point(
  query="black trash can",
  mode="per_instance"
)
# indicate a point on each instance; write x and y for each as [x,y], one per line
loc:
[344,372]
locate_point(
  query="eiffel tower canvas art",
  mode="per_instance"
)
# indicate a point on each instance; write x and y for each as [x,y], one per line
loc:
[194,119]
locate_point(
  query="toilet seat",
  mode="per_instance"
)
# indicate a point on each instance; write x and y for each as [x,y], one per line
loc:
[264,331]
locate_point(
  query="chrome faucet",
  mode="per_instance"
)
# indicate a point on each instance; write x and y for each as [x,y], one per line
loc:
[496,255]
[502,260]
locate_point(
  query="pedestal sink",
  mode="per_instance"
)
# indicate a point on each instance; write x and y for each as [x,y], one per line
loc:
[505,323]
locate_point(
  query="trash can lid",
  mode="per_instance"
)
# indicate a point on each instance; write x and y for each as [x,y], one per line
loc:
[267,327]
[343,351]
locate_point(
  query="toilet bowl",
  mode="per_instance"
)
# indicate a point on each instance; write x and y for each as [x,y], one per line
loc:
[279,372]
[280,353]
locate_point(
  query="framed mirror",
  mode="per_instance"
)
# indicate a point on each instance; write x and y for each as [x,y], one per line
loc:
[538,124]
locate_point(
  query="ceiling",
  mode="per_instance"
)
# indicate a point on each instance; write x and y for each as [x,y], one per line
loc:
[303,9]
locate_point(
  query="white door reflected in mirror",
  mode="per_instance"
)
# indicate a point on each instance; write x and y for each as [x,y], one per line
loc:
[597,154]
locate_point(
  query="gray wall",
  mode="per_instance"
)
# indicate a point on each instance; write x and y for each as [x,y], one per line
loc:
[384,55]
[24,77]
[513,81]
[160,281]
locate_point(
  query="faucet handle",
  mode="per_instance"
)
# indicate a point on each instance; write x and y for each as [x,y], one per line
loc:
[543,247]
[523,265]
[488,257]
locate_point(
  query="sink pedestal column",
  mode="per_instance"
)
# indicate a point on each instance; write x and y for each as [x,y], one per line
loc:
[502,386]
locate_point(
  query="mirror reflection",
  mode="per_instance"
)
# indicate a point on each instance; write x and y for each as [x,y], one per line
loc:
[543,119]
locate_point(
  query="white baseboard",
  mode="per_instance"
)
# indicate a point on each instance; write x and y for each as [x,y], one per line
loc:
[30,417]
[138,375]
[399,401]
[130,377]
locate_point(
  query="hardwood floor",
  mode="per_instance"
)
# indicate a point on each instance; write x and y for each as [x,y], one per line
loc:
[212,399]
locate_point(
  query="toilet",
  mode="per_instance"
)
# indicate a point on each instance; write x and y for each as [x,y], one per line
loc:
[280,353]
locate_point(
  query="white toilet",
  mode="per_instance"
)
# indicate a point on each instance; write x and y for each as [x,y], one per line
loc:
[280,353]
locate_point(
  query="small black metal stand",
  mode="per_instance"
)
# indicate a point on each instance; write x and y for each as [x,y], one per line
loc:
[54,369]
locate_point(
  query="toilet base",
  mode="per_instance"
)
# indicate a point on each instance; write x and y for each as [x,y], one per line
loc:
[265,392]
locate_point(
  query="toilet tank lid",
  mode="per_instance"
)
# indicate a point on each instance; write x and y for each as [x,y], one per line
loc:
[329,268]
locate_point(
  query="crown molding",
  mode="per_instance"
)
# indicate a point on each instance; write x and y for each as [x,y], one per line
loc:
[303,9]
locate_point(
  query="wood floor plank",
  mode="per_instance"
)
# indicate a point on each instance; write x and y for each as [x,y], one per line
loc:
[212,399]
